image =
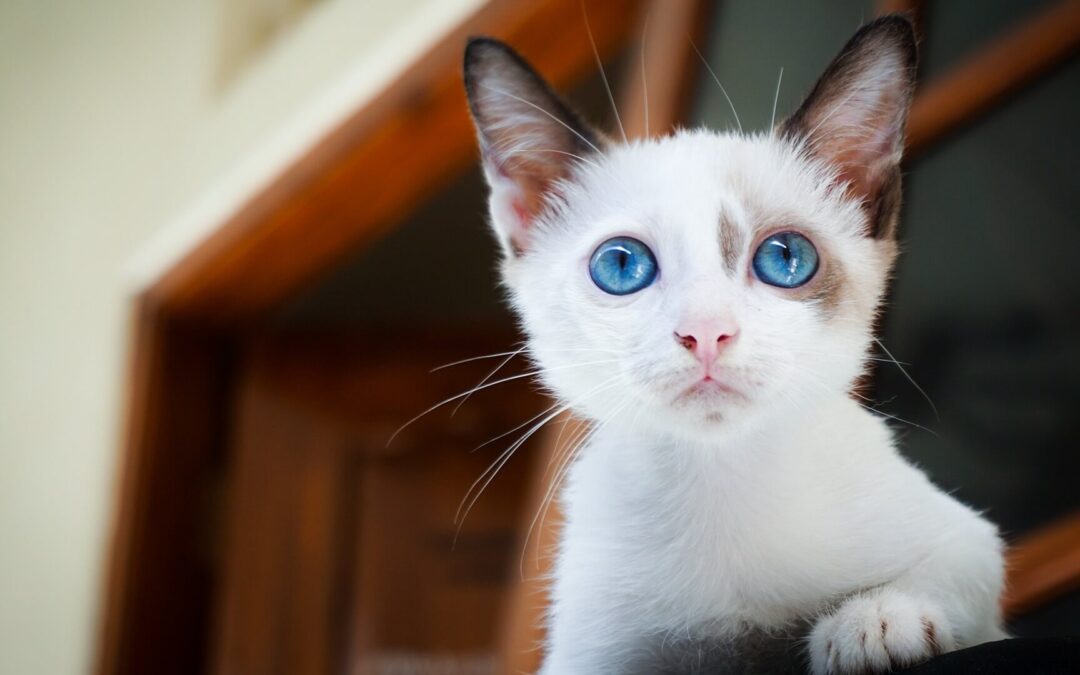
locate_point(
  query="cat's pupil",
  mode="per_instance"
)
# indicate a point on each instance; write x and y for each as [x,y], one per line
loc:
[624,259]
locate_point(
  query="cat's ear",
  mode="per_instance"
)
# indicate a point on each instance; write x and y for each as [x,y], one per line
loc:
[529,138]
[855,116]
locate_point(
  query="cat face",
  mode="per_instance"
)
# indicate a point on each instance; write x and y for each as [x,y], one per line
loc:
[697,284]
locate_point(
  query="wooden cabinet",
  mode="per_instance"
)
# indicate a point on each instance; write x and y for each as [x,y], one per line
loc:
[342,554]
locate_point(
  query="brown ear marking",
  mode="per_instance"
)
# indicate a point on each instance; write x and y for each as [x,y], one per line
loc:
[481,53]
[530,139]
[893,28]
[855,115]
[884,212]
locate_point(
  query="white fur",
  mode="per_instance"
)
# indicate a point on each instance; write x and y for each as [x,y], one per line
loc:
[722,512]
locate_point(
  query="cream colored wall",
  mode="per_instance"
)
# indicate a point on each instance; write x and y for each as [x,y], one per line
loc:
[118,150]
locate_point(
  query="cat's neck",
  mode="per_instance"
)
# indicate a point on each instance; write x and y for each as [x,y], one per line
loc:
[751,468]
[769,437]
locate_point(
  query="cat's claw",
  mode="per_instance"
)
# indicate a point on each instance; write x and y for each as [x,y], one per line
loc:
[877,632]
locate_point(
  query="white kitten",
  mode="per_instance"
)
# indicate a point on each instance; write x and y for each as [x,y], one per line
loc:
[708,302]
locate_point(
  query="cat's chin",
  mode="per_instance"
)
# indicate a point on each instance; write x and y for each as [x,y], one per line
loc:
[709,392]
[704,412]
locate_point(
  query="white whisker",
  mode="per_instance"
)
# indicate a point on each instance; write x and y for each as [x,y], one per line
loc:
[471,359]
[836,108]
[898,419]
[489,473]
[500,461]
[497,355]
[644,80]
[717,81]
[776,98]
[570,154]
[531,373]
[603,75]
[580,441]
[817,381]
[909,378]
[538,108]
[518,427]
[491,374]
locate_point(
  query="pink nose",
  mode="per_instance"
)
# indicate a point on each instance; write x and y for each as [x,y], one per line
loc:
[706,339]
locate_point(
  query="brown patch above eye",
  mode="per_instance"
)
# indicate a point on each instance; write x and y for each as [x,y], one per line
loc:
[732,242]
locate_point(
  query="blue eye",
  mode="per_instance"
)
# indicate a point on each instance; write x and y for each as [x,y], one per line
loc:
[786,259]
[622,265]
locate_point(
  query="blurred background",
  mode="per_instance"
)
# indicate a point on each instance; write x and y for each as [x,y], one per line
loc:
[236,237]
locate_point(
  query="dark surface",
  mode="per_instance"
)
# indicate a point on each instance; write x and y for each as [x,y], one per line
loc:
[776,654]
[1022,655]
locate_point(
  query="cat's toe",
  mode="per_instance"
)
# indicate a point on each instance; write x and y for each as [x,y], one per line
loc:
[876,633]
[913,630]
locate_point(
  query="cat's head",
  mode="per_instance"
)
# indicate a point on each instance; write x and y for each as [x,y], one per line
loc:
[700,281]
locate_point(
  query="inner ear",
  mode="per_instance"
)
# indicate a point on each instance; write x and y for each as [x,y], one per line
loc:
[854,117]
[530,139]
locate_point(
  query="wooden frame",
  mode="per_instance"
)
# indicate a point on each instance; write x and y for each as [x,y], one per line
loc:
[337,545]
[415,136]
[186,326]
[983,80]
[1043,566]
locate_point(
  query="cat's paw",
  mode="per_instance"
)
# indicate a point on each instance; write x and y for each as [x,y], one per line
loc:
[877,632]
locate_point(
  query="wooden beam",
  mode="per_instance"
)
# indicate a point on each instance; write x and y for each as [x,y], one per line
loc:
[159,583]
[372,171]
[663,77]
[338,548]
[362,179]
[1043,566]
[983,80]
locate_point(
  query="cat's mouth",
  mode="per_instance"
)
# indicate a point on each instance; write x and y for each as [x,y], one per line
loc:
[708,388]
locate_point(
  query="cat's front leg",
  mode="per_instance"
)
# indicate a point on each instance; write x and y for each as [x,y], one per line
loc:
[948,601]
[589,643]
[593,628]
[879,631]
[586,659]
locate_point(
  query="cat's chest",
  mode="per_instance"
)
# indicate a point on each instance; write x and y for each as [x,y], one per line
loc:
[705,549]
[733,565]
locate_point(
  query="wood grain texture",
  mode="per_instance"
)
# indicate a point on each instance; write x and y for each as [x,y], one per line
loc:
[284,555]
[663,76]
[987,77]
[160,574]
[362,179]
[1043,566]
[372,171]
[342,554]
